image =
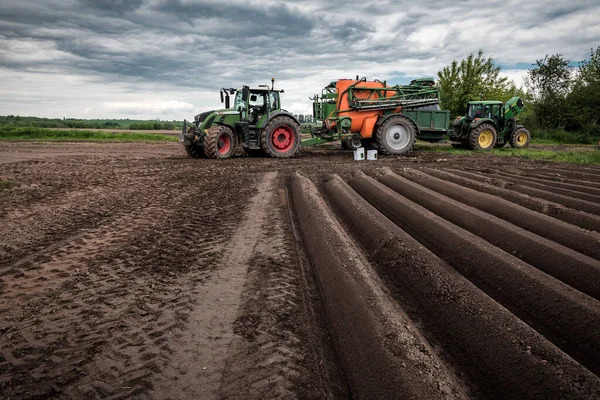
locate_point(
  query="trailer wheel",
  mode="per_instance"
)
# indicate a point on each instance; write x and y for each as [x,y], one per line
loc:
[194,150]
[520,138]
[483,137]
[396,135]
[281,137]
[352,143]
[219,142]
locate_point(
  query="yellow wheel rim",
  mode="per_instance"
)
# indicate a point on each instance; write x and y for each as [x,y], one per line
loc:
[486,139]
[521,138]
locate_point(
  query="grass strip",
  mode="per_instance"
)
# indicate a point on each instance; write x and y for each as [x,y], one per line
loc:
[578,155]
[31,133]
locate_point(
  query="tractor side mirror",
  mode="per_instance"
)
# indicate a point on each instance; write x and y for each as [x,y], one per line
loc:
[221,95]
[245,92]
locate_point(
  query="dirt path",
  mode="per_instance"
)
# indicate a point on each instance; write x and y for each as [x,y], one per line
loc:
[201,350]
[128,270]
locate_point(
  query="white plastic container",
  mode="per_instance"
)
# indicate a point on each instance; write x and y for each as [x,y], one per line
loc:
[371,155]
[359,154]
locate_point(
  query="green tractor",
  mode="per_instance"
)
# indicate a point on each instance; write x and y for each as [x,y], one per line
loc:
[255,123]
[490,124]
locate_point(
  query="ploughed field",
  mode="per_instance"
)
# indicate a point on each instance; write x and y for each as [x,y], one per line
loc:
[128,270]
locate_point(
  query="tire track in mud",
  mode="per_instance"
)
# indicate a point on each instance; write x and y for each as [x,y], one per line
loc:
[270,354]
[509,329]
[114,296]
[202,361]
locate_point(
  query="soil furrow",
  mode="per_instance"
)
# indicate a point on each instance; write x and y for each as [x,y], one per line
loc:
[574,217]
[523,289]
[564,189]
[463,210]
[376,343]
[546,193]
[572,184]
[481,337]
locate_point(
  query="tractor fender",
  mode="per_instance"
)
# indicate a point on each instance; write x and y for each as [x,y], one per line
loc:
[478,121]
[264,121]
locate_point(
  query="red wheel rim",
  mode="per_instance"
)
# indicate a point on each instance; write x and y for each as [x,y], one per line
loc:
[282,138]
[223,144]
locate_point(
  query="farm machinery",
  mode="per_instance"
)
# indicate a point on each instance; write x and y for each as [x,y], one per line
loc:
[255,123]
[357,112]
[372,114]
[490,124]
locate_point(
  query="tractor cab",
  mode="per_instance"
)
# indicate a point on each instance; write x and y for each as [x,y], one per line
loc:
[253,104]
[485,109]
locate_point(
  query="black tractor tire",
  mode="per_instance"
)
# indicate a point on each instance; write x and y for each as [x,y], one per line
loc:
[483,137]
[520,138]
[281,137]
[219,142]
[396,135]
[194,150]
[254,152]
[352,143]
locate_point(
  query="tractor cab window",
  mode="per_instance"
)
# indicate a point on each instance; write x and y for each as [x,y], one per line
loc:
[274,100]
[476,111]
[238,103]
[496,110]
[256,106]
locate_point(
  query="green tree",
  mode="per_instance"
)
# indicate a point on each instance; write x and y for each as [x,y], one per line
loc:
[476,78]
[549,82]
[584,98]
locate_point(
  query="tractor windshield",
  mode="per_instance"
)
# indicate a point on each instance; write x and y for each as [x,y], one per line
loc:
[475,111]
[238,103]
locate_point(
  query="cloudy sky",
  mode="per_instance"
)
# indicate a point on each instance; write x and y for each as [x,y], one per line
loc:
[146,59]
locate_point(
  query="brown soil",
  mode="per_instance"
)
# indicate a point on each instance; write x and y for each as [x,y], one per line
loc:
[128,270]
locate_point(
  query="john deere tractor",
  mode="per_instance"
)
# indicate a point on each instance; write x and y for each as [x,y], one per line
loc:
[490,124]
[255,123]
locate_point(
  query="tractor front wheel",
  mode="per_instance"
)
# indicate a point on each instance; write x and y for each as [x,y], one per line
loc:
[219,142]
[483,137]
[520,138]
[281,137]
[396,135]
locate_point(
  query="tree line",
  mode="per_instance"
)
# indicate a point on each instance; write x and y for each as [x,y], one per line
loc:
[559,97]
[9,121]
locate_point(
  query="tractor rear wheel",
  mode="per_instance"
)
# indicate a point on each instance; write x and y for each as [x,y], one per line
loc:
[396,135]
[219,142]
[281,137]
[520,138]
[483,137]
[194,150]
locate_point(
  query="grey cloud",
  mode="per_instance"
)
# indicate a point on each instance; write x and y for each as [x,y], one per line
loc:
[207,44]
[115,6]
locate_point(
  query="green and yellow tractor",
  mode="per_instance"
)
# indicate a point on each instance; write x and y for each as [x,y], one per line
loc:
[255,123]
[490,124]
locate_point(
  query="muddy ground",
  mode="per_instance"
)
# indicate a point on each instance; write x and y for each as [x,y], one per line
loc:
[128,270]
